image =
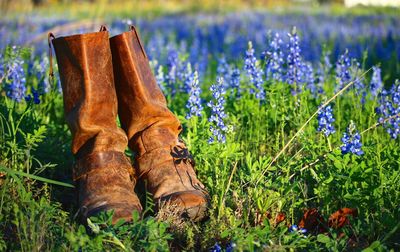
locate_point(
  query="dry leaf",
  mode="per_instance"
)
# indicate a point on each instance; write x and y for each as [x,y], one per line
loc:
[340,218]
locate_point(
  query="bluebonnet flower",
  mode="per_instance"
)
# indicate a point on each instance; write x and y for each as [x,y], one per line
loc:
[16,78]
[323,71]
[172,65]
[235,81]
[231,247]
[156,42]
[127,21]
[35,96]
[216,248]
[203,61]
[320,80]
[187,78]
[194,102]
[294,229]
[39,69]
[254,73]
[274,60]
[358,83]
[160,78]
[347,71]
[343,70]
[58,80]
[389,107]
[309,78]
[217,128]
[223,70]
[325,121]
[376,81]
[2,70]
[194,53]
[326,61]
[294,62]
[352,141]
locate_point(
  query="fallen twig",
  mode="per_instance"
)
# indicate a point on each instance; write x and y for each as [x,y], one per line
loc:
[87,24]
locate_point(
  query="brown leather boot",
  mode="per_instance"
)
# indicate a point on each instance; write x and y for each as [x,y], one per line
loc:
[162,160]
[104,175]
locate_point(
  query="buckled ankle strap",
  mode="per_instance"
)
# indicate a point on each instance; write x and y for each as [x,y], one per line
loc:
[101,160]
[171,153]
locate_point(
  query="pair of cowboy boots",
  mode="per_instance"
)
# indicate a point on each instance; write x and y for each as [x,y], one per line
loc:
[102,77]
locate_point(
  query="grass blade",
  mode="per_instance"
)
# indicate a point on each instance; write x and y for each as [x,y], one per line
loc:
[46,180]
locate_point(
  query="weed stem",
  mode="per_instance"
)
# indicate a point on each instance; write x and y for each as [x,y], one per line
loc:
[306,123]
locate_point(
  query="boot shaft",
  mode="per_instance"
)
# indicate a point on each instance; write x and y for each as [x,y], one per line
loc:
[141,103]
[90,103]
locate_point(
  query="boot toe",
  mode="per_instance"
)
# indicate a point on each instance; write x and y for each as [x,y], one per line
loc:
[190,204]
[121,211]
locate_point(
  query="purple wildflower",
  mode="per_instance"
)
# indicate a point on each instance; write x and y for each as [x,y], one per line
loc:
[172,66]
[217,128]
[40,69]
[327,62]
[390,108]
[309,78]
[194,102]
[325,121]
[223,70]
[295,229]
[358,83]
[16,79]
[216,248]
[160,78]
[376,81]
[274,60]
[187,78]
[320,80]
[2,69]
[254,73]
[352,141]
[235,81]
[230,247]
[343,70]
[294,62]
[35,96]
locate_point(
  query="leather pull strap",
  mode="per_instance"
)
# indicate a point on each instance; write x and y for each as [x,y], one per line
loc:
[50,38]
[133,29]
[103,28]
[101,160]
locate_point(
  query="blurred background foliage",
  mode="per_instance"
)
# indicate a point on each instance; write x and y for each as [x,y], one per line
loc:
[106,8]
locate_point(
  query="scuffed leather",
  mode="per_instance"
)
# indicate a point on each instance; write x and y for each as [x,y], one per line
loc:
[152,129]
[108,185]
[102,171]
[90,102]
[140,101]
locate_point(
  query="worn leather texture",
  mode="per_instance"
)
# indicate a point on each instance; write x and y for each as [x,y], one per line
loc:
[102,172]
[152,129]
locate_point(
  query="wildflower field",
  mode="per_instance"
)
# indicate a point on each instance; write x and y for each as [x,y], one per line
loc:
[293,120]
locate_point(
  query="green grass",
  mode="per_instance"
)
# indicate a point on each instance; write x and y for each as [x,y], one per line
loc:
[38,214]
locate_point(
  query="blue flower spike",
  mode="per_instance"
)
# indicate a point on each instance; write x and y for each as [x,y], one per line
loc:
[325,121]
[352,141]
[217,105]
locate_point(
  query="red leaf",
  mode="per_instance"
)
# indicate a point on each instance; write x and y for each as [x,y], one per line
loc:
[340,218]
[279,218]
[312,221]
